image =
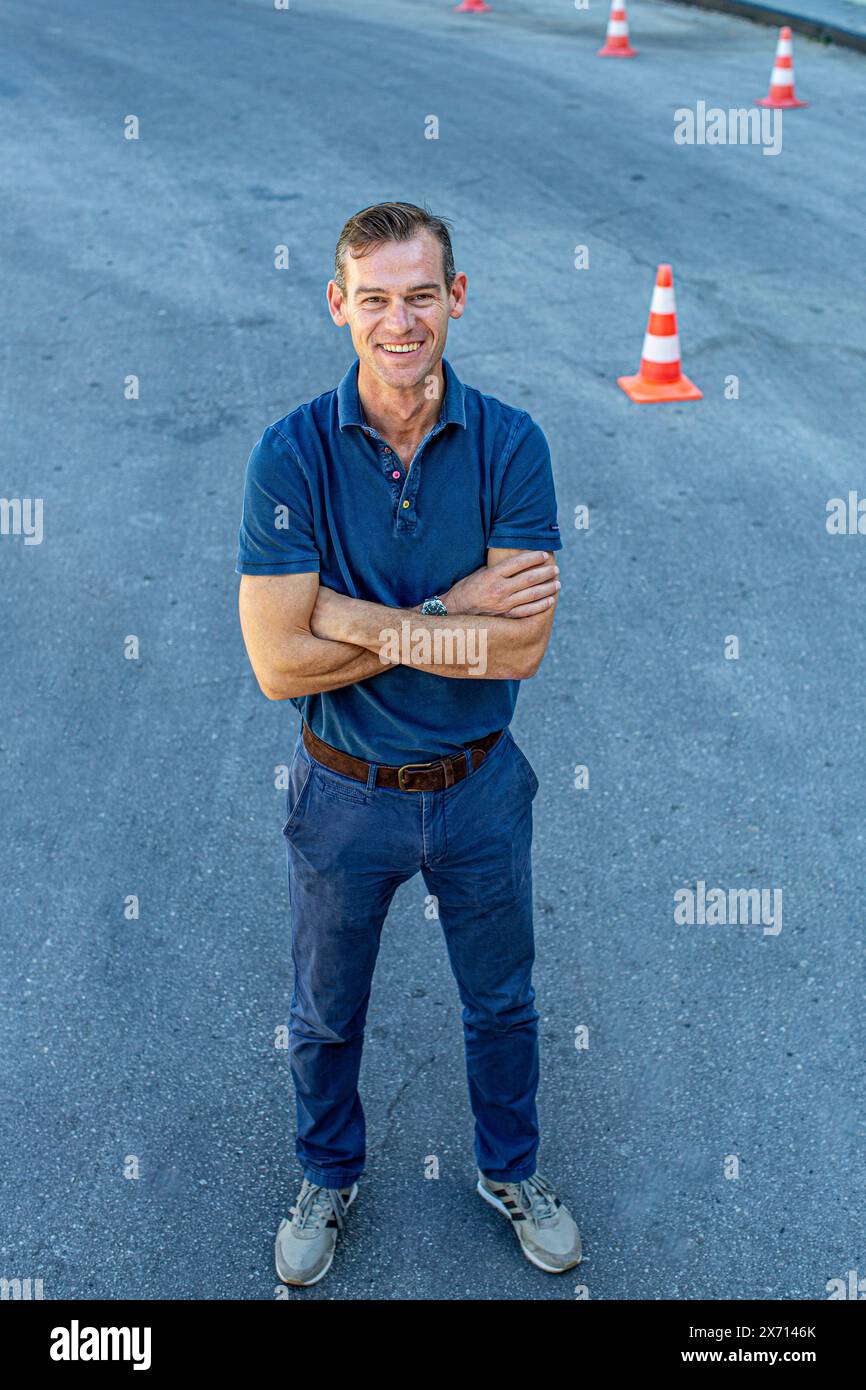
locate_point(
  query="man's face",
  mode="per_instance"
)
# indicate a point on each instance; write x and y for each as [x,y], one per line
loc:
[397,308]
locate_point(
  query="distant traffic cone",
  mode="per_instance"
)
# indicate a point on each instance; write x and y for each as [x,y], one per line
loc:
[782,77]
[660,377]
[616,44]
[472,7]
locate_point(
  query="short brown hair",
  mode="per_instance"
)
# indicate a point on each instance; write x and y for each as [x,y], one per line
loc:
[390,222]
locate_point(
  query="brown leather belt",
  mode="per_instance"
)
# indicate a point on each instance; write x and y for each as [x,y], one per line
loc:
[424,777]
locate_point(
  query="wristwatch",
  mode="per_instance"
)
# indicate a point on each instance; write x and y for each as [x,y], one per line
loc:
[434,607]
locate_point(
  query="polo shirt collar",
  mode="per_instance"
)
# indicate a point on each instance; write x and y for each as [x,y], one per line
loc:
[349,404]
[454,405]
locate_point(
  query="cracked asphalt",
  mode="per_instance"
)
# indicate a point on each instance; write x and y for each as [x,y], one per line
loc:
[146,1144]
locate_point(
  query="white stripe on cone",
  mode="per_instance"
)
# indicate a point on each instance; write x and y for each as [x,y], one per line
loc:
[656,349]
[663,301]
[785,48]
[617,29]
[782,77]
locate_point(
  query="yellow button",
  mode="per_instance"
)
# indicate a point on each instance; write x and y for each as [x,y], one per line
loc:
[405,504]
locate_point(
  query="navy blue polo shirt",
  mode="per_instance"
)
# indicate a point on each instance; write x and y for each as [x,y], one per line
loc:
[325,492]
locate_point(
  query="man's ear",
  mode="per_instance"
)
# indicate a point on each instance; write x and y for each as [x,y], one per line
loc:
[337,304]
[457,295]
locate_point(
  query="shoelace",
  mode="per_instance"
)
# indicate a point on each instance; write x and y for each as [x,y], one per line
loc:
[316,1205]
[537,1197]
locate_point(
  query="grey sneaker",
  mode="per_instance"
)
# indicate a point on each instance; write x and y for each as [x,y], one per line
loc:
[305,1246]
[544,1227]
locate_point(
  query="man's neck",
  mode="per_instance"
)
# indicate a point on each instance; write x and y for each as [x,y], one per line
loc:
[402,417]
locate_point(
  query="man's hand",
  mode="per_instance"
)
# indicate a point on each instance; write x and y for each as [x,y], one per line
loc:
[517,587]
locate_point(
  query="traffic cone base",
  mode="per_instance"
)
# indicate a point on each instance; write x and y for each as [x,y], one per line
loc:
[645,392]
[472,7]
[607,52]
[780,104]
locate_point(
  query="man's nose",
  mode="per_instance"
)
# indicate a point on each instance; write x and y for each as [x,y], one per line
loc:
[399,319]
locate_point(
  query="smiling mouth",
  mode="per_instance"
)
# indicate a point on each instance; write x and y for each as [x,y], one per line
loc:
[399,349]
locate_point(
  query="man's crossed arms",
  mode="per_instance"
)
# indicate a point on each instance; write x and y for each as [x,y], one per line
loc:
[303,638]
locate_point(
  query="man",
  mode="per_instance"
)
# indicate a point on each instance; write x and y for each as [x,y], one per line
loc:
[398,584]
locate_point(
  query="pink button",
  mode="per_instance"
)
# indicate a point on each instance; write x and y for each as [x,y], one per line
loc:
[396,473]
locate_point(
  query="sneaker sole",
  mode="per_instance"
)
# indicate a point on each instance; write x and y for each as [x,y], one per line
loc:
[533,1259]
[306,1283]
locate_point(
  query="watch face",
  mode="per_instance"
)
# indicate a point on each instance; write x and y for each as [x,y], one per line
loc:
[434,607]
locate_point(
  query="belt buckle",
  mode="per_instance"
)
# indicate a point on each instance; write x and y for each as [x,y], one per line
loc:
[401,770]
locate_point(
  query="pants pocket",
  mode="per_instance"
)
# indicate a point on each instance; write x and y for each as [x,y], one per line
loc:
[337,789]
[300,779]
[526,769]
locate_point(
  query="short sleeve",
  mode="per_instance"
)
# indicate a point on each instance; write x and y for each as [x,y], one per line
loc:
[525,511]
[277,533]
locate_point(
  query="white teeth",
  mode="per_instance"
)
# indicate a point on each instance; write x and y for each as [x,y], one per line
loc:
[399,347]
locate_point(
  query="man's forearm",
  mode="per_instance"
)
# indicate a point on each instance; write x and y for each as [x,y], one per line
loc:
[461,646]
[312,665]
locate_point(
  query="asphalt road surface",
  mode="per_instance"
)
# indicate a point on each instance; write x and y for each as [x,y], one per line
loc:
[147,1046]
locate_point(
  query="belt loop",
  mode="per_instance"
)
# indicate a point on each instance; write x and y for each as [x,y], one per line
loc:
[371,777]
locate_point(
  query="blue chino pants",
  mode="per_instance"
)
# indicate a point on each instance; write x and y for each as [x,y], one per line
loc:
[350,846]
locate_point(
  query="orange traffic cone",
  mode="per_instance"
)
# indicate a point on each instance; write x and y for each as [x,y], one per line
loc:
[616,44]
[660,377]
[472,7]
[782,77]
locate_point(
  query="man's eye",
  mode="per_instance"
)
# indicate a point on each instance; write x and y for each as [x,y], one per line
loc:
[422,296]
